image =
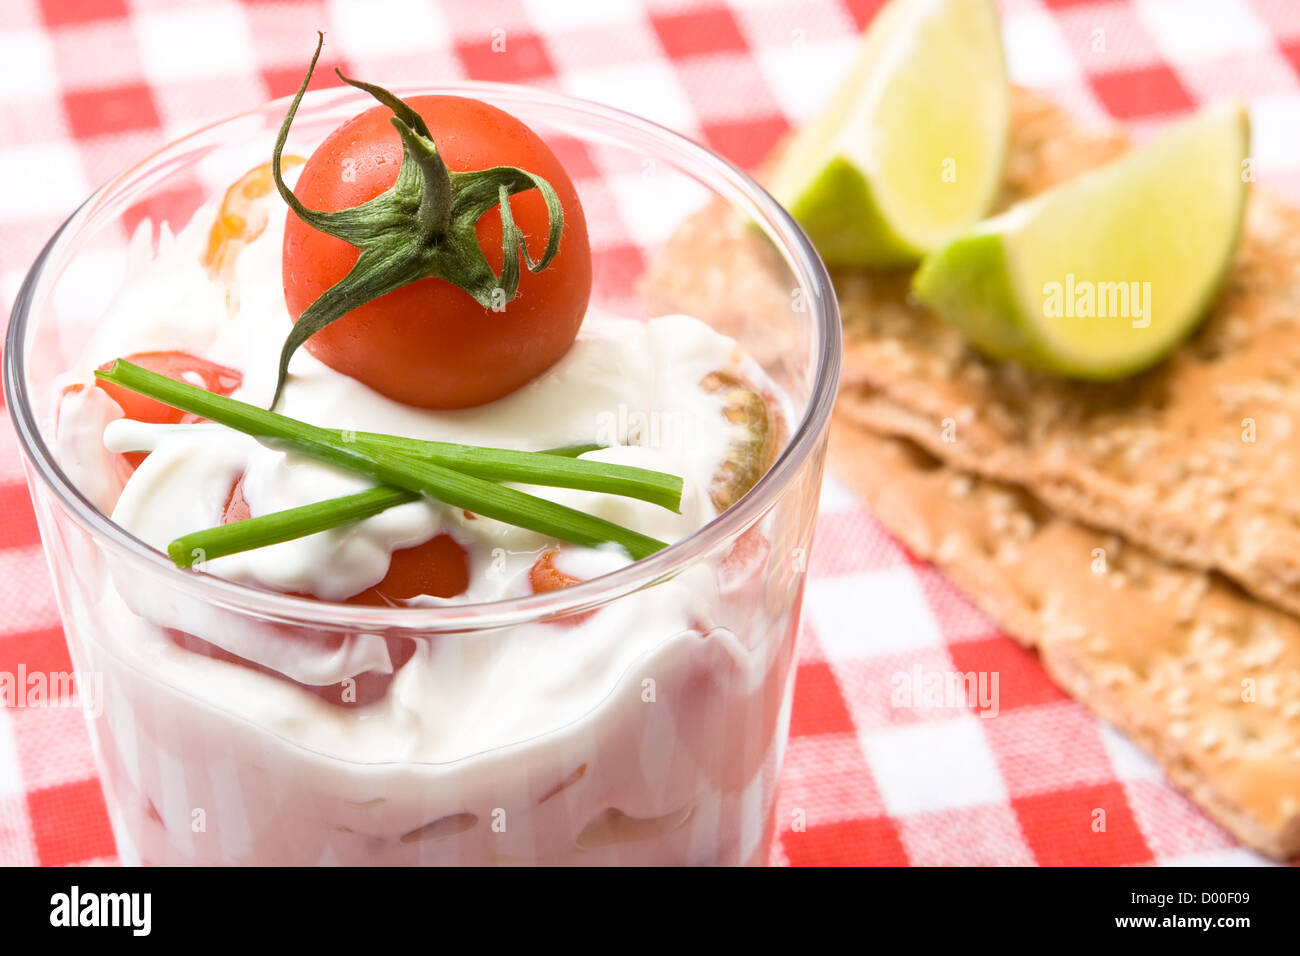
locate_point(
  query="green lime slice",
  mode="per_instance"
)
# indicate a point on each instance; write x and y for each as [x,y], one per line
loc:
[1104,275]
[911,147]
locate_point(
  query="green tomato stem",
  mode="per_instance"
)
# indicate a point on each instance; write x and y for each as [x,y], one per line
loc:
[424,226]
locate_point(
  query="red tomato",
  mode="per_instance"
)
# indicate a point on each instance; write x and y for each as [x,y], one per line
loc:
[236,508]
[438,567]
[545,576]
[181,366]
[430,343]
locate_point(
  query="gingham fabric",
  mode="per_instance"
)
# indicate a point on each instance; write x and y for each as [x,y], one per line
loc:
[89,86]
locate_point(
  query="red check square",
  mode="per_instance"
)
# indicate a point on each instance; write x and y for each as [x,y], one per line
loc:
[574,156]
[863,11]
[746,142]
[70,823]
[872,841]
[818,703]
[62,13]
[1291,51]
[285,80]
[1134,94]
[513,58]
[174,205]
[114,110]
[17,520]
[1089,826]
[44,651]
[1021,680]
[612,268]
[694,34]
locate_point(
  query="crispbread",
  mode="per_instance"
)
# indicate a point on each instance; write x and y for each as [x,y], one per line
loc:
[1154,644]
[1170,655]
[1195,459]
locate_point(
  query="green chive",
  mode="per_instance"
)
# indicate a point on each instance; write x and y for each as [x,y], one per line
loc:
[377,458]
[264,530]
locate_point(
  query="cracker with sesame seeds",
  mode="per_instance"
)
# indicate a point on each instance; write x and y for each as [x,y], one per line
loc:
[1202,676]
[1177,484]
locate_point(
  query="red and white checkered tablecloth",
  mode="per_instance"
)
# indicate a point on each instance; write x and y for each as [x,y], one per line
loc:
[89,86]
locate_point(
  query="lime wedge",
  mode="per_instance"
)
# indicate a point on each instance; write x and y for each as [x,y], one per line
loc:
[910,148]
[1103,276]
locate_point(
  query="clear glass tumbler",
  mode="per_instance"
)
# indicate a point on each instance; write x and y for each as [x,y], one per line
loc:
[675,761]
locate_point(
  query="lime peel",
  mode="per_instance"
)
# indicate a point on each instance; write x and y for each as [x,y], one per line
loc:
[911,147]
[1105,275]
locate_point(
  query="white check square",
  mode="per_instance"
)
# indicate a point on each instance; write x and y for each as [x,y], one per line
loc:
[934,765]
[648,89]
[199,42]
[364,32]
[871,614]
[27,66]
[820,67]
[1037,54]
[1275,134]
[583,14]
[1129,761]
[1187,30]
[11,778]
[25,589]
[41,180]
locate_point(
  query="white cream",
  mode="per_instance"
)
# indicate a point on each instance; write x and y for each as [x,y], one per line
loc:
[548,693]
[622,381]
[652,368]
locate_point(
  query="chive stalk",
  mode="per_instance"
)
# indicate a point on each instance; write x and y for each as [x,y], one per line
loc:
[405,465]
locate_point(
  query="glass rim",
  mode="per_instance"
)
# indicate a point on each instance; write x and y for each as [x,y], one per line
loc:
[809,271]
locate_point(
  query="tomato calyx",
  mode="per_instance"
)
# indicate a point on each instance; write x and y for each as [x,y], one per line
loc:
[424,226]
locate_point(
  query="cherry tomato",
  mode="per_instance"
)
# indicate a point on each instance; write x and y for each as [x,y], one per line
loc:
[430,344]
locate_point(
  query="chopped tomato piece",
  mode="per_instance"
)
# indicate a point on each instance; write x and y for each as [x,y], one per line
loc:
[439,567]
[180,366]
[545,576]
[236,508]
[241,218]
